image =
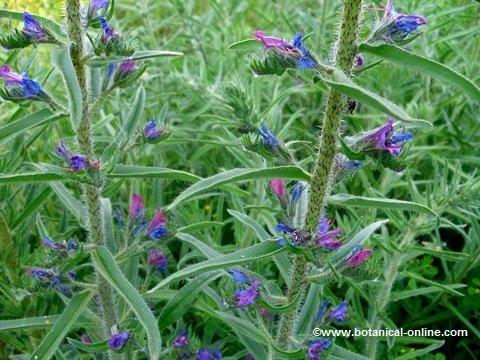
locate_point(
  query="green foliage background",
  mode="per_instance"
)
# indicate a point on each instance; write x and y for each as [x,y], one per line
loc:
[202,97]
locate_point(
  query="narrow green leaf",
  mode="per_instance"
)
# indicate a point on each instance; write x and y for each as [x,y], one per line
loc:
[100,346]
[139,55]
[180,303]
[252,253]
[421,352]
[433,283]
[309,310]
[381,203]
[447,255]
[405,294]
[358,239]
[31,177]
[62,326]
[7,247]
[32,206]
[36,119]
[247,44]
[433,68]
[105,264]
[204,249]
[284,172]
[40,322]
[281,260]
[342,83]
[61,60]
[133,171]
[346,354]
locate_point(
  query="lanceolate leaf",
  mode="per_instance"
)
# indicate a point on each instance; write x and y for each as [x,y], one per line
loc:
[133,171]
[252,253]
[235,175]
[31,177]
[180,303]
[358,239]
[38,118]
[247,44]
[433,68]
[39,322]
[61,60]
[342,83]
[105,264]
[139,55]
[62,326]
[381,203]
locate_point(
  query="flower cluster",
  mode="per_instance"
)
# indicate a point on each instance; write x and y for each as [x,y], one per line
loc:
[337,314]
[384,145]
[396,27]
[111,42]
[96,9]
[62,248]
[20,88]
[118,340]
[32,33]
[266,144]
[282,55]
[154,133]
[248,289]
[76,162]
[122,74]
[318,347]
[158,260]
[188,350]
[358,256]
[52,278]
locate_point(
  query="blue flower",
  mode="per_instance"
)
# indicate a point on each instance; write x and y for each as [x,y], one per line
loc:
[306,61]
[118,340]
[20,85]
[246,297]
[322,310]
[95,7]
[75,162]
[317,347]
[268,139]
[49,243]
[154,133]
[297,192]
[239,276]
[32,28]
[284,228]
[339,313]
[206,354]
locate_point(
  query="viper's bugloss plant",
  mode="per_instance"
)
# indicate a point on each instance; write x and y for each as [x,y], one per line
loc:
[321,176]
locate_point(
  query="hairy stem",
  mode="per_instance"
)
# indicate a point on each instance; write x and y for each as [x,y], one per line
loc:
[320,183]
[84,137]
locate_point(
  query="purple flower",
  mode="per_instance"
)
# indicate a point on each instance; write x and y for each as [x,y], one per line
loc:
[395,27]
[137,208]
[154,133]
[318,347]
[118,340]
[359,61]
[125,69]
[32,28]
[358,256]
[205,354]
[339,313]
[108,33]
[50,244]
[383,138]
[158,260]
[249,357]
[85,339]
[19,85]
[295,50]
[239,276]
[278,187]
[247,297]
[326,237]
[181,340]
[95,7]
[75,162]
[158,226]
[72,274]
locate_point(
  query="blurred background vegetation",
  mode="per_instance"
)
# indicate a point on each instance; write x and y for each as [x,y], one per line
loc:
[207,94]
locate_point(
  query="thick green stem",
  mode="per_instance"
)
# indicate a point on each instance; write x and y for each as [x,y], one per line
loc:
[320,183]
[84,137]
